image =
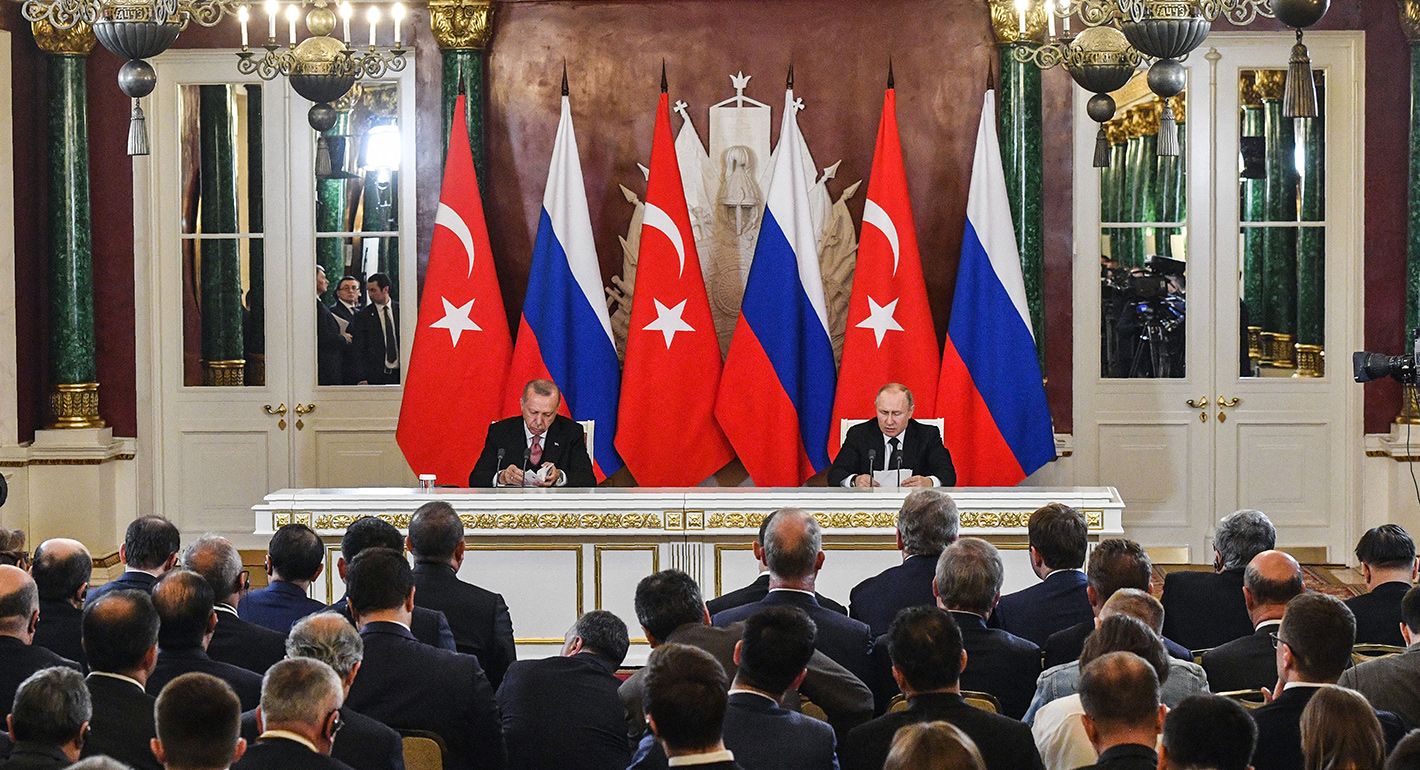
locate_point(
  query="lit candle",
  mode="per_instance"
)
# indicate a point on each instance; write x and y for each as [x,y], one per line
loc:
[398,13]
[272,9]
[243,15]
[1050,17]
[292,13]
[345,13]
[373,16]
[1021,7]
[1065,15]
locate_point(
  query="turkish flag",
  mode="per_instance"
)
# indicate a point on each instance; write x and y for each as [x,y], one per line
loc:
[666,428]
[889,335]
[455,376]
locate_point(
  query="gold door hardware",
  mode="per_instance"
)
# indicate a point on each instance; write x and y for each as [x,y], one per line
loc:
[1199,403]
[303,409]
[279,411]
[1226,403]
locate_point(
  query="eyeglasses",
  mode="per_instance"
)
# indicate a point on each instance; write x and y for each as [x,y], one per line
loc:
[1278,641]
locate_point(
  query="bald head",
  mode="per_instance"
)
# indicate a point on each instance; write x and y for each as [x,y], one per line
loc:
[1271,580]
[793,547]
[61,569]
[19,603]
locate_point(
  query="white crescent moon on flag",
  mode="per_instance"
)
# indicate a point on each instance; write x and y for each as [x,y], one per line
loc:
[659,219]
[874,215]
[450,219]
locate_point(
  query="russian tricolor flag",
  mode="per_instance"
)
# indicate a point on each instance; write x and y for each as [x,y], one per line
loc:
[776,391]
[565,333]
[990,395]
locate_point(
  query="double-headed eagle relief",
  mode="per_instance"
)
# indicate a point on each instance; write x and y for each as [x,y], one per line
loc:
[724,190]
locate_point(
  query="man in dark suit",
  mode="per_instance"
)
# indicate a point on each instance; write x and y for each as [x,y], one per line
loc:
[927,523]
[185,608]
[428,626]
[564,711]
[1392,682]
[412,686]
[793,548]
[1387,556]
[1123,717]
[149,550]
[1205,609]
[1207,731]
[1271,579]
[376,332]
[295,558]
[51,714]
[19,615]
[346,307]
[332,344]
[538,440]
[927,661]
[61,570]
[1059,539]
[234,641]
[198,720]
[1313,648]
[685,706]
[760,587]
[478,617]
[121,640]
[299,718]
[893,441]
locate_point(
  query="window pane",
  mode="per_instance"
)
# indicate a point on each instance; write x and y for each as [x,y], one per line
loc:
[357,318]
[221,158]
[223,312]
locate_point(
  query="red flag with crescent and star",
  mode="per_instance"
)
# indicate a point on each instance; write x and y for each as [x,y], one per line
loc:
[462,349]
[889,335]
[666,428]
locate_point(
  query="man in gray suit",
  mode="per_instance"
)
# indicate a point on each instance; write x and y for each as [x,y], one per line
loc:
[1392,683]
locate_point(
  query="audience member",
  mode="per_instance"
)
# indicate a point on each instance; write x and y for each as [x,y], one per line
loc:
[61,570]
[1123,717]
[299,718]
[760,587]
[185,608]
[933,746]
[478,617]
[1313,648]
[1387,556]
[686,698]
[1406,754]
[409,685]
[19,615]
[99,762]
[49,719]
[968,585]
[777,645]
[1207,731]
[1271,579]
[1340,730]
[1205,609]
[926,524]
[927,661]
[427,626]
[295,557]
[669,609]
[198,719]
[234,641]
[121,642]
[1059,538]
[149,550]
[564,711]
[12,547]
[1392,682]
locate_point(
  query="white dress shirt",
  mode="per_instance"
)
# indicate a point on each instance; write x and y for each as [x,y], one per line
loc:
[723,755]
[887,458]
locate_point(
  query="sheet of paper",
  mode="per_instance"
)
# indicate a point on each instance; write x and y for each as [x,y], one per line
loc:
[344,324]
[889,479]
[538,477]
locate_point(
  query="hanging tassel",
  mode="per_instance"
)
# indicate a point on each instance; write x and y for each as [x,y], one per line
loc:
[323,164]
[1299,92]
[1168,132]
[137,131]
[1101,149]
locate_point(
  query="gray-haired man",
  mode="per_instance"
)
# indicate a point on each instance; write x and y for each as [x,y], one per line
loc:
[1205,609]
[50,716]
[926,524]
[299,718]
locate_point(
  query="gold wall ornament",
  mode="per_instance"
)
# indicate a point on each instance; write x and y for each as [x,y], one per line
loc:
[1116,132]
[1409,406]
[1254,342]
[1311,361]
[1410,19]
[461,24]
[1247,89]
[1180,109]
[75,405]
[1006,22]
[78,40]
[1269,84]
[224,373]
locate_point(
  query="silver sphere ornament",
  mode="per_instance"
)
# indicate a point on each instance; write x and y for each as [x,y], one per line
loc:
[1100,108]
[322,116]
[137,79]
[1168,77]
[1300,13]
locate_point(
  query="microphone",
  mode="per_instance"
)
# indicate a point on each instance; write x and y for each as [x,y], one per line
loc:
[899,467]
[872,458]
[498,464]
[527,455]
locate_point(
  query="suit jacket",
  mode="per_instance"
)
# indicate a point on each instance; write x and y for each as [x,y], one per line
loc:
[1129,756]
[122,723]
[564,713]
[876,600]
[60,629]
[1051,605]
[478,617]
[1005,744]
[842,696]
[331,347]
[36,756]
[996,662]
[1378,614]
[244,644]
[762,736]
[756,591]
[173,663]
[369,336]
[277,606]
[849,642]
[130,580]
[284,754]
[922,451]
[428,626]
[17,661]
[564,445]
[1279,730]
[1249,663]
[1065,646]
[1391,683]
[1205,609]
[362,743]
[413,686]
[349,359]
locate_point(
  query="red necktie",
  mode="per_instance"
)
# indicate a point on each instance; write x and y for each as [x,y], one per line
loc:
[535,452]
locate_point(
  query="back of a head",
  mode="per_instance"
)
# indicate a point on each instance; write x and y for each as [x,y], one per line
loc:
[1209,731]
[327,637]
[1118,563]
[184,602]
[12,547]
[778,643]
[368,532]
[297,552]
[1126,633]
[1340,730]
[1060,535]
[1319,630]
[51,707]
[150,541]
[217,561]
[435,531]
[1273,578]
[1241,535]
[60,568]
[1388,546]
[927,522]
[667,600]
[199,720]
[933,746]
[792,544]
[925,646]
[378,579]
[1410,610]
[98,762]
[299,691]
[603,633]
[19,599]
[969,575]
[1406,754]
[119,629]
[1136,604]
[685,696]
[1120,689]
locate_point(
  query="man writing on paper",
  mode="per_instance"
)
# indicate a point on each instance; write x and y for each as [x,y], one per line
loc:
[538,449]
[895,443]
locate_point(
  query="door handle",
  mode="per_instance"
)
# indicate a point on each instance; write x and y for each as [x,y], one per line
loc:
[1226,403]
[303,409]
[1199,403]
[279,411]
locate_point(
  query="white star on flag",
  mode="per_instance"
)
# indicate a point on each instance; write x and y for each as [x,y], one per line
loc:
[456,320]
[880,320]
[668,321]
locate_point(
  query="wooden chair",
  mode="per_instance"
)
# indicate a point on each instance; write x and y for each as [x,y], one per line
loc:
[982,700]
[423,750]
[1248,699]
[1199,653]
[898,703]
[1364,652]
[810,709]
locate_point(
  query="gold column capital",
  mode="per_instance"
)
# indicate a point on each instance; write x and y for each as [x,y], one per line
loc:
[1006,23]
[75,405]
[1270,84]
[461,24]
[78,40]
[1410,19]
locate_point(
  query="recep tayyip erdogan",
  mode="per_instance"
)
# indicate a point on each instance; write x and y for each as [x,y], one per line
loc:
[893,440]
[539,439]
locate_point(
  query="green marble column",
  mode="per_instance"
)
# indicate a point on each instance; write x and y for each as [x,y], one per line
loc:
[1279,313]
[1253,209]
[1118,182]
[221,271]
[1311,248]
[1151,192]
[254,329]
[1020,126]
[331,215]
[463,29]
[382,213]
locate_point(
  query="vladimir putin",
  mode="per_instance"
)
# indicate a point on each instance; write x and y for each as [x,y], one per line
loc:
[894,441]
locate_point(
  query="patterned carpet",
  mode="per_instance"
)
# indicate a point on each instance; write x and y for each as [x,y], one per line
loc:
[1341,582]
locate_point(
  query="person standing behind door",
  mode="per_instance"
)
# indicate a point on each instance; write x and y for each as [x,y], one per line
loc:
[376,334]
[346,307]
